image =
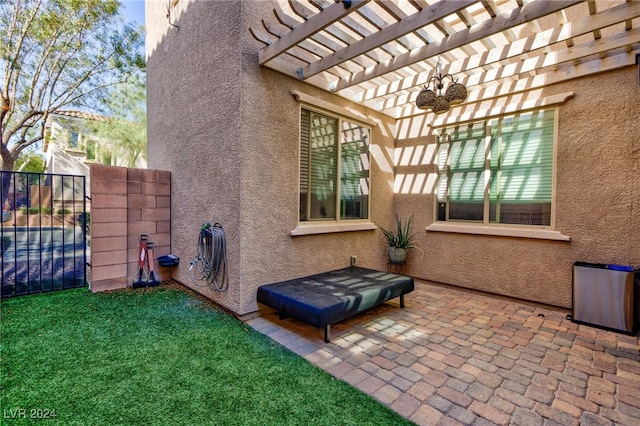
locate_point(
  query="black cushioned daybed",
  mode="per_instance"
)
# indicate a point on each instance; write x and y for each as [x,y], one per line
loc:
[330,297]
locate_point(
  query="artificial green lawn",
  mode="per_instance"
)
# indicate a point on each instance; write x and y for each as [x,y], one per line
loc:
[159,357]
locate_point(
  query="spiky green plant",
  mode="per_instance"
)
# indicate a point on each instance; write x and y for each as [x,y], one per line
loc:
[401,236]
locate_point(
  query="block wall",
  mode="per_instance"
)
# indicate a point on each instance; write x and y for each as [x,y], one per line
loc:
[124,204]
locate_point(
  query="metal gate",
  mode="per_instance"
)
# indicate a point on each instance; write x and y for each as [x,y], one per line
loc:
[44,232]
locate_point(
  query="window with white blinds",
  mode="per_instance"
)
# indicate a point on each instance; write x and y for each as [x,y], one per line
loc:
[500,171]
[334,168]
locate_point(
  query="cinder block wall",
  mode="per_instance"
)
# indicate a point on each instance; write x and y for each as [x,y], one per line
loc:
[124,204]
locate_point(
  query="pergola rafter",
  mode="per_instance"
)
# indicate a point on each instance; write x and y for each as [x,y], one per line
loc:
[380,53]
[488,28]
[315,24]
[537,41]
[484,92]
[390,33]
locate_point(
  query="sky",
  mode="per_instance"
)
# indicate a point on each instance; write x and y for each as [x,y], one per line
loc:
[133,10]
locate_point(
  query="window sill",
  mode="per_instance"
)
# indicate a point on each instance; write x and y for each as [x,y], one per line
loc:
[500,231]
[331,227]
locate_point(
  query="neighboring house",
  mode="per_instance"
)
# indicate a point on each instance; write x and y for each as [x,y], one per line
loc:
[299,133]
[71,145]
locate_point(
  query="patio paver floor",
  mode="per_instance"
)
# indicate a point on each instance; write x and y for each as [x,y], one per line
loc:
[457,357]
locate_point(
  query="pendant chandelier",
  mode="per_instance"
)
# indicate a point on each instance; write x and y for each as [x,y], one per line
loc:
[437,102]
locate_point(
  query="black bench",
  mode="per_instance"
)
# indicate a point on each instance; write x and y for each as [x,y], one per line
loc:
[330,297]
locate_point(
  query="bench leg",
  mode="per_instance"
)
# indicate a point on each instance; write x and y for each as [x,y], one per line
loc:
[402,300]
[327,333]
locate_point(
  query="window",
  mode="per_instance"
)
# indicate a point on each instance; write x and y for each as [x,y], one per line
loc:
[334,168]
[499,171]
[73,139]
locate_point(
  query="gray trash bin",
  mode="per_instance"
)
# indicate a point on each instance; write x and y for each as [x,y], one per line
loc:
[604,296]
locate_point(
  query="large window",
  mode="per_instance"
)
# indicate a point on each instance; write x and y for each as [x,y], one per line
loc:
[499,171]
[334,168]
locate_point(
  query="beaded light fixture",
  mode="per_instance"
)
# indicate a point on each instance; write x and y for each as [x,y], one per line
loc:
[434,100]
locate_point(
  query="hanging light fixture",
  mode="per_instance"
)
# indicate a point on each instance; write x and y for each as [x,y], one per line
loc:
[437,102]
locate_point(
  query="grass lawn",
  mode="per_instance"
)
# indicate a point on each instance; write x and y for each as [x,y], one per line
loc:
[159,357]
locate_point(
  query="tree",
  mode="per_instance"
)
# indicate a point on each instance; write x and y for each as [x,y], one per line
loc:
[30,161]
[127,109]
[57,55]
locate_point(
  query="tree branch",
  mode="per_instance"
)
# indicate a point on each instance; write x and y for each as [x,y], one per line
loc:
[22,37]
[20,124]
[43,58]
[60,68]
[59,53]
[88,92]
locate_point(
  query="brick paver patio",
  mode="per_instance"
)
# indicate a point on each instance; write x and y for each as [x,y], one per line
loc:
[455,357]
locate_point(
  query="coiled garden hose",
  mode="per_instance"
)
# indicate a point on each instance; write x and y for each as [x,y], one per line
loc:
[209,267]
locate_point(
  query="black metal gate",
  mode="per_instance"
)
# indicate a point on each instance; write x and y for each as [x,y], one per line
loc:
[44,232]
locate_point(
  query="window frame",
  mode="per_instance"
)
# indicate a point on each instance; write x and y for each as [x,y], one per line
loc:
[484,226]
[337,224]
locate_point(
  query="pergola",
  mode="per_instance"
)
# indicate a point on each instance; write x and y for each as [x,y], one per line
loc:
[381,54]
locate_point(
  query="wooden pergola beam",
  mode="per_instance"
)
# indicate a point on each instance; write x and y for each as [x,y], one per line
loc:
[567,73]
[315,24]
[327,37]
[398,14]
[412,23]
[508,109]
[541,61]
[567,31]
[498,24]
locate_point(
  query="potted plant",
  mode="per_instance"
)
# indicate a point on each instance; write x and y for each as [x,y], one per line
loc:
[400,239]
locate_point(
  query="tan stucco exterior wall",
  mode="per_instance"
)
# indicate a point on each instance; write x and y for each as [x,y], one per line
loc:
[228,131]
[193,102]
[597,201]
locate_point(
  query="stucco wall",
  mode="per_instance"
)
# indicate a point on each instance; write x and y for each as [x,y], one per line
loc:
[597,202]
[270,134]
[194,124]
[228,131]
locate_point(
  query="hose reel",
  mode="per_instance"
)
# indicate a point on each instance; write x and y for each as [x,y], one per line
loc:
[209,267]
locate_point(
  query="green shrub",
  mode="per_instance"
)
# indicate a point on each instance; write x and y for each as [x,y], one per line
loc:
[30,210]
[43,210]
[6,243]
